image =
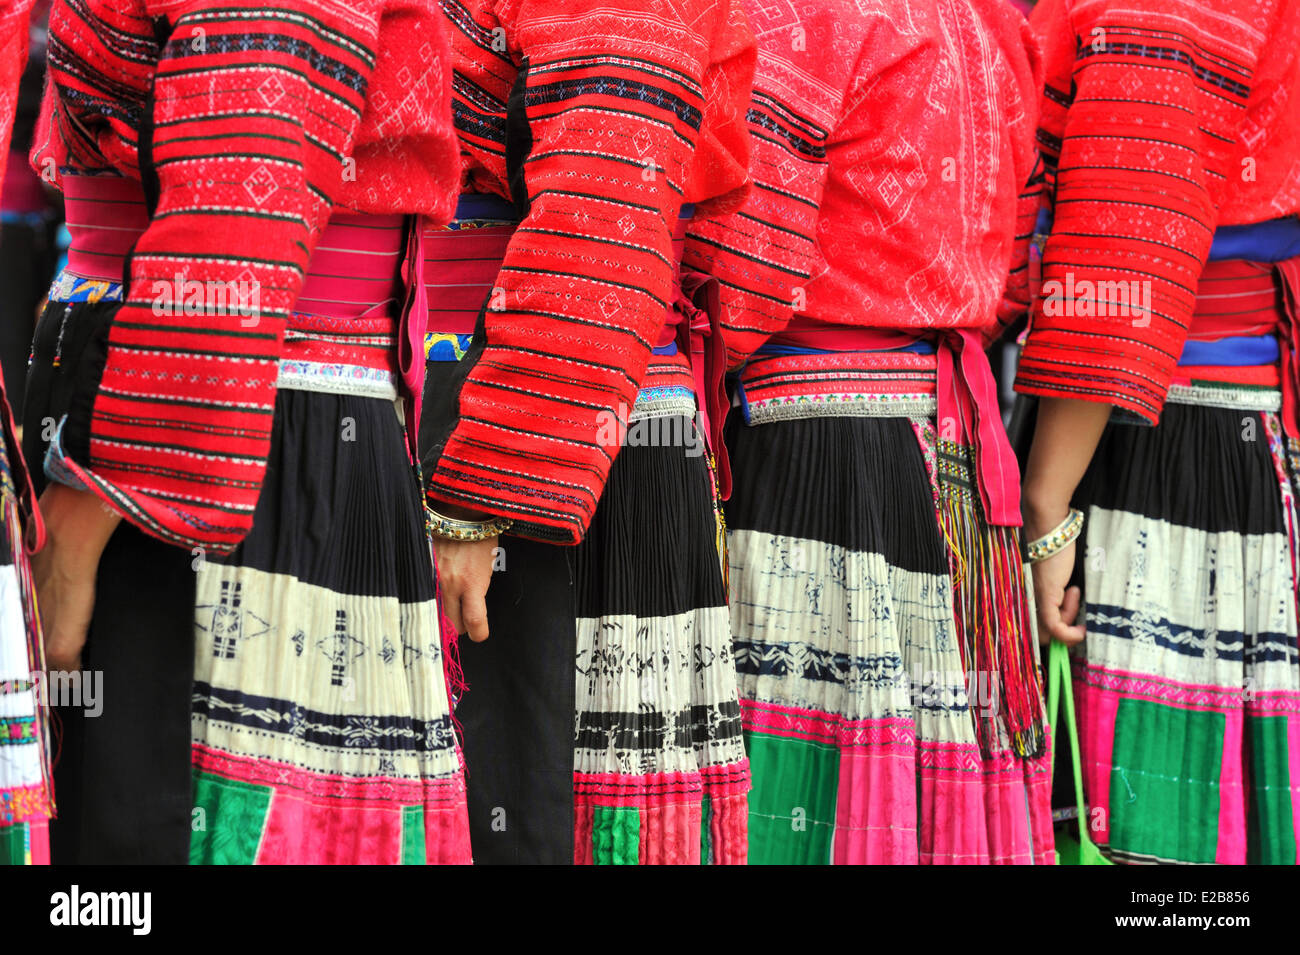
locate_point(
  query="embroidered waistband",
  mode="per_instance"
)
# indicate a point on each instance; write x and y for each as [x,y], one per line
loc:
[1225,395]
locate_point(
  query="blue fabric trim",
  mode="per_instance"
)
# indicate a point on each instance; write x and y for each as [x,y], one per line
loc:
[1236,351]
[485,205]
[1272,241]
[916,348]
[1231,646]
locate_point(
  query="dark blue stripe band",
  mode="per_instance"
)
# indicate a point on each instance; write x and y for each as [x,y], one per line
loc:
[1235,351]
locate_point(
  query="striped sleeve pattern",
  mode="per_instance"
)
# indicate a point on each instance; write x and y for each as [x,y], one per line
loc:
[597,141]
[1140,121]
[1015,304]
[764,254]
[254,109]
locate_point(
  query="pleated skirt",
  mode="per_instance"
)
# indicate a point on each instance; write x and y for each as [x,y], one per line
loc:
[873,734]
[1188,682]
[601,723]
[660,774]
[320,720]
[285,703]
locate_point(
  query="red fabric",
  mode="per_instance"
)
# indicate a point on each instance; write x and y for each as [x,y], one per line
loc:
[1160,121]
[264,117]
[1235,297]
[14,17]
[20,187]
[1289,274]
[618,113]
[892,147]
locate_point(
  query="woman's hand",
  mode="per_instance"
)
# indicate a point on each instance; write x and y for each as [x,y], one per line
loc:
[1057,603]
[1065,438]
[78,527]
[464,573]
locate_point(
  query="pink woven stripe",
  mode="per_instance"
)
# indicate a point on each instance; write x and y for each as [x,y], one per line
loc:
[354,269]
[105,217]
[660,789]
[377,791]
[462,267]
[1193,696]
[1293,749]
[1096,710]
[1232,802]
[875,813]
[828,728]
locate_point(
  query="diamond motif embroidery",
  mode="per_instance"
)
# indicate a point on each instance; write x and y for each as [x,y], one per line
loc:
[260,184]
[340,648]
[271,90]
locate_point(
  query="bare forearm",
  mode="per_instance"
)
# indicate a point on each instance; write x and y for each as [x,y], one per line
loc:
[1065,439]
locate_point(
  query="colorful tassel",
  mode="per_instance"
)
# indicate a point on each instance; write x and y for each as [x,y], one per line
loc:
[991,611]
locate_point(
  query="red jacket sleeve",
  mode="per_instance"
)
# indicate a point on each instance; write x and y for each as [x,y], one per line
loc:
[254,109]
[13,57]
[764,253]
[606,124]
[1130,103]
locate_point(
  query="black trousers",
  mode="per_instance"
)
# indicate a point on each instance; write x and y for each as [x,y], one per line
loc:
[517,717]
[27,262]
[122,777]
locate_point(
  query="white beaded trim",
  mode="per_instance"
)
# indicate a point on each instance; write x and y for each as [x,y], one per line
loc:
[842,406]
[1233,399]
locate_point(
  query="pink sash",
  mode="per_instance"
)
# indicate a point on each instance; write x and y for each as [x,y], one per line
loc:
[105,217]
[966,394]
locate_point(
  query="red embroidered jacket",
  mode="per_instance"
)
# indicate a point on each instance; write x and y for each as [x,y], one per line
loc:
[13,57]
[599,118]
[258,117]
[892,148]
[1161,120]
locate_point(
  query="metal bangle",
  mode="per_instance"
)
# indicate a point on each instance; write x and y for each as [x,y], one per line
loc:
[465,532]
[1057,539]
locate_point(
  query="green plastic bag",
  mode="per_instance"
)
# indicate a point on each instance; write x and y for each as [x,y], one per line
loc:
[1069,851]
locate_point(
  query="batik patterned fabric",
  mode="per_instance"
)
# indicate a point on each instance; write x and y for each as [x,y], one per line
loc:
[1188,684]
[850,583]
[316,698]
[660,774]
[321,722]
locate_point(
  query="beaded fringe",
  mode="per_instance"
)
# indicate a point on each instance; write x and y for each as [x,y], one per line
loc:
[991,610]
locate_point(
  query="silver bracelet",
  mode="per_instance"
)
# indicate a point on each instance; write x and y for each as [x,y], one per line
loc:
[1058,538]
[454,529]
